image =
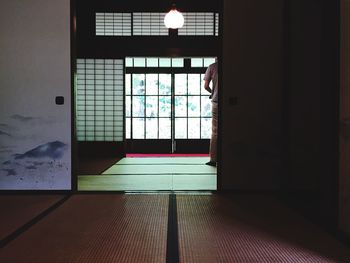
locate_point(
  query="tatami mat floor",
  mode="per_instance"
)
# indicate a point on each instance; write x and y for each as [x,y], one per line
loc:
[145,174]
[96,228]
[15,211]
[250,228]
[132,228]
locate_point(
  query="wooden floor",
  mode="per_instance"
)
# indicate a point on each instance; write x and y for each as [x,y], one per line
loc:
[153,174]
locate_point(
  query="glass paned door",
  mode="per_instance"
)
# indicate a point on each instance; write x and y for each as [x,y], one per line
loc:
[148,114]
[192,116]
[192,107]
[167,109]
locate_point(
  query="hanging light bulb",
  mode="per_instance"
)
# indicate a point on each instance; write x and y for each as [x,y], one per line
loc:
[174,19]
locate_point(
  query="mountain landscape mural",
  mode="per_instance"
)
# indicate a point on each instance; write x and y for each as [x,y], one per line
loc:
[26,162]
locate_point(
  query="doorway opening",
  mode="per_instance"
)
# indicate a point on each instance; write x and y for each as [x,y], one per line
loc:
[139,93]
[166,122]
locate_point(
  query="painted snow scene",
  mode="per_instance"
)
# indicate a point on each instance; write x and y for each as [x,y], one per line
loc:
[29,156]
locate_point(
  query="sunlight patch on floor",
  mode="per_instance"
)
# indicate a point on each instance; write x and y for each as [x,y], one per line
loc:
[151,174]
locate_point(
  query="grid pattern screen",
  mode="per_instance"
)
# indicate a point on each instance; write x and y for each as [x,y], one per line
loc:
[198,24]
[216,24]
[149,24]
[113,24]
[152,24]
[99,94]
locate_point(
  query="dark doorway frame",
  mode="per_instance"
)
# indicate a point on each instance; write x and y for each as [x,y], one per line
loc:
[84,43]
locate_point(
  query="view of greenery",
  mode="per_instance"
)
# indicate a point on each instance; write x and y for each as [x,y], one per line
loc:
[148,105]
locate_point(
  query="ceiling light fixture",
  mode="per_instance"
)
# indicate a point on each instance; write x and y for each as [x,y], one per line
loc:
[174,19]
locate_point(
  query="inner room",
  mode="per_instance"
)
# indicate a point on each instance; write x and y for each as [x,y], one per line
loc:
[143,120]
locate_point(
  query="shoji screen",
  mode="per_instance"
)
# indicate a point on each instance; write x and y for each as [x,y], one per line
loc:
[99,99]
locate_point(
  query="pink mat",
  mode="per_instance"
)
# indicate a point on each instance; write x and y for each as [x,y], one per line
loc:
[167,155]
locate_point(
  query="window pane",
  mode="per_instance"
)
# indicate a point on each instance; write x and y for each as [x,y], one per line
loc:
[151,84]
[206,128]
[128,106]
[180,106]
[151,128]
[138,128]
[194,128]
[138,84]
[128,128]
[127,84]
[164,84]
[180,84]
[194,106]
[128,62]
[194,84]
[139,62]
[151,106]
[196,62]
[208,61]
[164,106]
[177,62]
[138,106]
[181,128]
[152,62]
[164,62]
[164,128]
[205,106]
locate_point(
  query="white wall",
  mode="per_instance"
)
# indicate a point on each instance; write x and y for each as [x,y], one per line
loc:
[34,68]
